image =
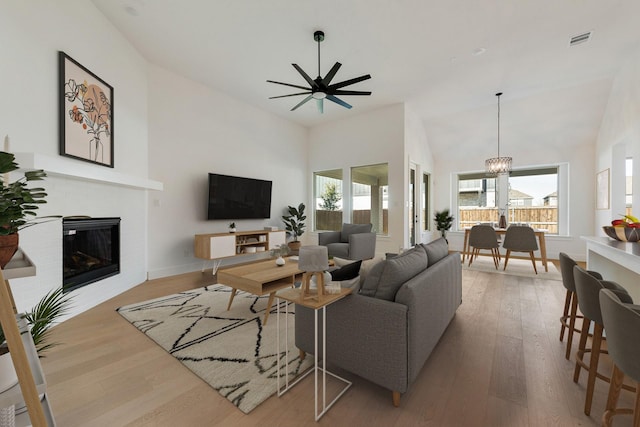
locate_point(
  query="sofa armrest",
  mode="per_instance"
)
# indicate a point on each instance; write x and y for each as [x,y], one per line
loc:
[362,246]
[432,298]
[327,237]
[366,336]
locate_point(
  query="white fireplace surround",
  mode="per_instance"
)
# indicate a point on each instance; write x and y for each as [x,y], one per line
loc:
[59,166]
[78,188]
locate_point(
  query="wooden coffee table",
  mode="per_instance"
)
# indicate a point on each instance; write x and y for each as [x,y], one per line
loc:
[259,278]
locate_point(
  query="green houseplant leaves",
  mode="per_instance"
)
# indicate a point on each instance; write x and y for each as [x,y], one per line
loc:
[294,222]
[17,201]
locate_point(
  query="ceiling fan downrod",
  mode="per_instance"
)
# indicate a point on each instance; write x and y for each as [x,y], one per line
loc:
[319,37]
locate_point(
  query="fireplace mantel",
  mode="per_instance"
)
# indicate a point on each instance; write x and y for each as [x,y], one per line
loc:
[59,166]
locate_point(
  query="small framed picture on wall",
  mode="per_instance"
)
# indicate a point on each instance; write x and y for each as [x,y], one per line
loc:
[86,113]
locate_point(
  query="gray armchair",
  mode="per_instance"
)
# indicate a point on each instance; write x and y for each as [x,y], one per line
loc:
[355,241]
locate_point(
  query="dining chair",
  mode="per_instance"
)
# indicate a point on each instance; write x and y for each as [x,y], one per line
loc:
[484,237]
[520,238]
[622,322]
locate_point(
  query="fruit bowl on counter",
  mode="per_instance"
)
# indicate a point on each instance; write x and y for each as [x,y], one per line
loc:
[626,229]
[624,234]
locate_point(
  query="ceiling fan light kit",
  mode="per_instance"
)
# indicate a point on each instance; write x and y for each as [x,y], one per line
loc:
[498,165]
[321,88]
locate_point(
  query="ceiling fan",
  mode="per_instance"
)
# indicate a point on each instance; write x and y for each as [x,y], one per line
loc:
[321,88]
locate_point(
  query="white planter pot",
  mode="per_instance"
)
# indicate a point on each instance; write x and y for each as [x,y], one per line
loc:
[8,376]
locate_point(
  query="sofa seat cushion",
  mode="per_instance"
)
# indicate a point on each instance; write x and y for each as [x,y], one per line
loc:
[436,250]
[386,277]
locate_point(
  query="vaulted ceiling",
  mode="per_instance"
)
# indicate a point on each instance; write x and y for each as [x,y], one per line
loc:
[445,60]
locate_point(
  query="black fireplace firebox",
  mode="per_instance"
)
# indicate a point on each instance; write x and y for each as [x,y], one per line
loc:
[91,250]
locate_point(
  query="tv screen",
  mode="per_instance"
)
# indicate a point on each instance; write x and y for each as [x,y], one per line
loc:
[234,197]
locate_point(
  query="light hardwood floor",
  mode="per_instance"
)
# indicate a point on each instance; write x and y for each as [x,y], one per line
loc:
[499,363]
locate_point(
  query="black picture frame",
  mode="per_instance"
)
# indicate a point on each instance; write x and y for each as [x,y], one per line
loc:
[86,113]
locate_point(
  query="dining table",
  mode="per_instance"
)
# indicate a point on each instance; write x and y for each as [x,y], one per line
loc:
[539,232]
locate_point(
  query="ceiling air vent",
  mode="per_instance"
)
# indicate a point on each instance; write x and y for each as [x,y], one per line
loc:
[580,38]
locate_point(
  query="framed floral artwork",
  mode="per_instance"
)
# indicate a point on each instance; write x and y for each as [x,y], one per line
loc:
[86,113]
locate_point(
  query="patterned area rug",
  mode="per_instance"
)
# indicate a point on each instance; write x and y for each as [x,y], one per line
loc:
[515,267]
[232,351]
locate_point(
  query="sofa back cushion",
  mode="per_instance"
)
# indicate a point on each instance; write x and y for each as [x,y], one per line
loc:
[349,229]
[386,277]
[436,250]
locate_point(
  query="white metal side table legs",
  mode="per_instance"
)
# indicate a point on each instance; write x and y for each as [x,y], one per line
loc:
[317,305]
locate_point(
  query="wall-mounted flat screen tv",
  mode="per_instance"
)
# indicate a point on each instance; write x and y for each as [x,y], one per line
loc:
[234,197]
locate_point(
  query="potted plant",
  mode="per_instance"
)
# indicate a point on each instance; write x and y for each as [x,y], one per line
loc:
[232,227]
[17,205]
[294,224]
[280,252]
[443,222]
[40,320]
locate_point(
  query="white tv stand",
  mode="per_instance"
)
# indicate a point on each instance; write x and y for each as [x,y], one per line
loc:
[224,245]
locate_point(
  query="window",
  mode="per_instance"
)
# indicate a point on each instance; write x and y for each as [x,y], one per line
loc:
[328,200]
[369,196]
[425,202]
[533,198]
[526,196]
[476,200]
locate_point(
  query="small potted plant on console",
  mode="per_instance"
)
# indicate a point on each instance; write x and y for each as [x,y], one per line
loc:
[232,227]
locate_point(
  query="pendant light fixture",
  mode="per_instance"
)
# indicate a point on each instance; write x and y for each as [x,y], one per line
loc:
[498,165]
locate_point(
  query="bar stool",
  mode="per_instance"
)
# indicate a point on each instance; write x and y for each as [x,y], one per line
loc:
[588,288]
[569,315]
[623,339]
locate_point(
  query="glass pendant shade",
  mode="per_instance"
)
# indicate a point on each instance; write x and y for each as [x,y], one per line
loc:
[498,165]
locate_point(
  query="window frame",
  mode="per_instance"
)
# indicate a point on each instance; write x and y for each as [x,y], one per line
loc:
[327,174]
[563,193]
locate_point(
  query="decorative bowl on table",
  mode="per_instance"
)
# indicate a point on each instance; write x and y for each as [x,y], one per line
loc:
[624,234]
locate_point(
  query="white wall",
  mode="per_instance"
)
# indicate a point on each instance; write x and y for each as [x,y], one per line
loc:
[194,130]
[620,132]
[32,33]
[365,139]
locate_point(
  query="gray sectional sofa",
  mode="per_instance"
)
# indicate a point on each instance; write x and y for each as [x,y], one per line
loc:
[387,329]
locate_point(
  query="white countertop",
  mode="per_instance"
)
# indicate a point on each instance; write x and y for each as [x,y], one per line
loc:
[615,260]
[628,248]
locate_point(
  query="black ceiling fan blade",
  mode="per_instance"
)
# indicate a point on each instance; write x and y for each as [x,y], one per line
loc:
[288,84]
[302,102]
[320,104]
[306,76]
[332,72]
[291,94]
[350,92]
[338,101]
[349,82]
